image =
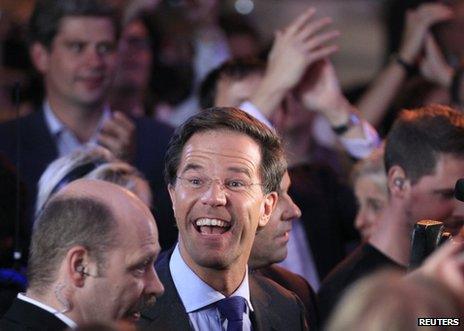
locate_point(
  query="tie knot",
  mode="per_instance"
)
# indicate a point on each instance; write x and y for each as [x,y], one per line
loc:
[232,308]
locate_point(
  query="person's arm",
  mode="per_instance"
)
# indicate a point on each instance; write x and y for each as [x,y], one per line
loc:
[375,101]
[295,48]
[320,91]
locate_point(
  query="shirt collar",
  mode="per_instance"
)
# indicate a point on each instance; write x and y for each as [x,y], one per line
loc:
[56,126]
[66,320]
[196,294]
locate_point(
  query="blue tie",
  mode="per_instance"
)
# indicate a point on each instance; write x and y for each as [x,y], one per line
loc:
[232,308]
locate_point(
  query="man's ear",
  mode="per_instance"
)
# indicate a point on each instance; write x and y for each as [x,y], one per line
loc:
[398,184]
[40,56]
[172,194]
[77,265]
[268,206]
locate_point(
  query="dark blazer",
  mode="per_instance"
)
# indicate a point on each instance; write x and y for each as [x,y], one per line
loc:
[296,284]
[24,316]
[275,308]
[38,149]
[328,209]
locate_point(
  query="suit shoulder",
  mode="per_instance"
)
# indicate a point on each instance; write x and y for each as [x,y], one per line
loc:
[277,293]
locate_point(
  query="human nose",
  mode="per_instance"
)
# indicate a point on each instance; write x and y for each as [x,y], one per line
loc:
[154,287]
[94,57]
[293,211]
[214,194]
[360,220]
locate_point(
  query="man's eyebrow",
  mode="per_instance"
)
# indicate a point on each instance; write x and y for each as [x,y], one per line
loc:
[240,170]
[191,166]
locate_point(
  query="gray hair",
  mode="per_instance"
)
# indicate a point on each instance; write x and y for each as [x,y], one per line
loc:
[372,166]
[106,167]
[58,169]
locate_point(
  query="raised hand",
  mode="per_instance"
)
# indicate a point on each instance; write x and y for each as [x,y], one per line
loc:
[301,44]
[320,89]
[118,135]
[418,23]
[433,66]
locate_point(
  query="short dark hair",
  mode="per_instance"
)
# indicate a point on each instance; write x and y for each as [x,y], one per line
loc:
[273,163]
[420,136]
[65,222]
[236,69]
[46,18]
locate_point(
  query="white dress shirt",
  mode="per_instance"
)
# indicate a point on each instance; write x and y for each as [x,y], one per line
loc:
[199,298]
[65,140]
[299,258]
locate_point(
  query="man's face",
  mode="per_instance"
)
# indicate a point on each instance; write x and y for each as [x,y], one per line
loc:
[232,93]
[127,280]
[432,197]
[230,159]
[79,66]
[270,245]
[135,57]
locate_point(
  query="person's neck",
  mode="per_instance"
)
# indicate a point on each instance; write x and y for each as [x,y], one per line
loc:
[82,121]
[225,281]
[257,262]
[297,147]
[392,235]
[50,298]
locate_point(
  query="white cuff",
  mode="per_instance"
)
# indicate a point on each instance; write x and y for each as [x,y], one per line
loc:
[362,147]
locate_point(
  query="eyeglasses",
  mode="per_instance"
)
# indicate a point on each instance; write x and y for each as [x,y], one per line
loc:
[203,183]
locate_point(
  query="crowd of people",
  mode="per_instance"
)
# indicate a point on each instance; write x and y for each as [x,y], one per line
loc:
[161,170]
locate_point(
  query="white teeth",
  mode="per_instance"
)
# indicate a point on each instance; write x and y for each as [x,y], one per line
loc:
[211,222]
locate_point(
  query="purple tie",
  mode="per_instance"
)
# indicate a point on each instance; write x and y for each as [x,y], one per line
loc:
[232,308]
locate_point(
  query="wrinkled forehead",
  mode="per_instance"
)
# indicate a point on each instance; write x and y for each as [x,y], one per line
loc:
[221,149]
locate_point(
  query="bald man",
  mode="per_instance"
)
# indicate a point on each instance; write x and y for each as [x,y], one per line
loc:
[92,255]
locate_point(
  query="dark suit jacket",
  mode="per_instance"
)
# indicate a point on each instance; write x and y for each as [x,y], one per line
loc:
[328,209]
[275,308]
[38,149]
[296,284]
[24,316]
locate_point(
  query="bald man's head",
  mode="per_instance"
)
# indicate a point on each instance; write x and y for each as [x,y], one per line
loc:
[87,213]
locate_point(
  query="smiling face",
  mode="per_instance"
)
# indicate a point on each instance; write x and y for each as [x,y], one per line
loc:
[227,158]
[270,245]
[79,66]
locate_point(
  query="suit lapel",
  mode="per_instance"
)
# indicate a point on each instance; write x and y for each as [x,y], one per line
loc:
[169,312]
[260,300]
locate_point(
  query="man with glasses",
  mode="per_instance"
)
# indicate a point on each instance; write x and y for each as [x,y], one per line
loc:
[223,169]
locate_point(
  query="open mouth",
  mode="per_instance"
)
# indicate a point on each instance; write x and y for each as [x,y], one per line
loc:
[211,226]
